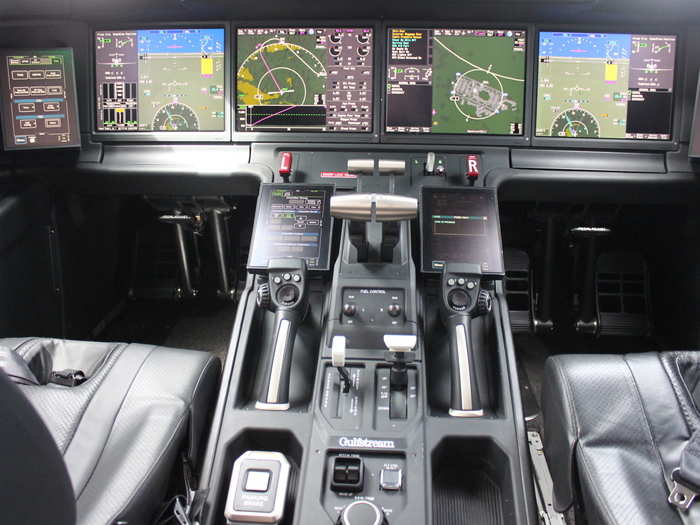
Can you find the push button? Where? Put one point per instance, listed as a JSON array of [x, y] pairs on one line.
[[348, 474], [391, 479], [257, 481]]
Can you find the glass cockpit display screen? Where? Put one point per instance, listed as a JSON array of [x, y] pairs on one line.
[[461, 226], [38, 100], [160, 80], [605, 86], [304, 79], [292, 220], [456, 81]]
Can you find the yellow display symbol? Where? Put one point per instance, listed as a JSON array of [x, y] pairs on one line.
[[611, 72], [207, 66]]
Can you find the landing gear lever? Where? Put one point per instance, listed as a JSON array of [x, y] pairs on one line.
[[462, 300], [285, 294]]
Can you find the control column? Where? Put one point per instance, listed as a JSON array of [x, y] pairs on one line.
[[462, 300], [285, 294]]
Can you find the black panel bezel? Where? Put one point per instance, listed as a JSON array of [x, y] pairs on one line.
[[449, 189], [695, 125], [326, 242], [294, 137], [466, 139], [162, 136], [620, 144], [75, 127]]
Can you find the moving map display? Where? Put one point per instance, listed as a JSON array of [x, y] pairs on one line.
[[456, 81], [608, 86], [160, 80], [38, 101], [304, 79]]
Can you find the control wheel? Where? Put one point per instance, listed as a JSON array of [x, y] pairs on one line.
[[362, 513]]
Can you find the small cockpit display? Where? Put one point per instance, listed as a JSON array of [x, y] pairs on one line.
[[304, 79], [461, 225], [605, 86], [160, 80], [456, 81], [292, 220], [38, 100]]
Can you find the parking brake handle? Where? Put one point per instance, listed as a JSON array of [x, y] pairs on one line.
[[285, 294], [462, 300]]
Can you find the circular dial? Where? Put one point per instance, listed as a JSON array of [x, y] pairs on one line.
[[361, 512], [575, 122], [175, 117]]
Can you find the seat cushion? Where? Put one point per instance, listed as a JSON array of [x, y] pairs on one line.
[[614, 429], [121, 430]]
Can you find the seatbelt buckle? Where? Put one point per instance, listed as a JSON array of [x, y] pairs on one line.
[[68, 377], [683, 493]]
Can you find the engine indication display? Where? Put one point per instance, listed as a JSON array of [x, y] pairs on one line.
[[456, 81], [608, 86], [304, 79], [38, 99], [160, 80]]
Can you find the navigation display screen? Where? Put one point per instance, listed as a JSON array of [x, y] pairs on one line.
[[37, 99], [160, 80], [456, 81], [461, 226], [304, 79], [292, 220], [607, 86]]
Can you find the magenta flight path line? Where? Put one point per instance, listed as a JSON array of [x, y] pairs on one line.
[[273, 115], [262, 55]]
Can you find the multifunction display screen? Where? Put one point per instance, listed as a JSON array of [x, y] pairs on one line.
[[456, 81], [304, 79], [37, 99], [292, 221], [607, 86], [461, 226], [694, 150], [160, 80]]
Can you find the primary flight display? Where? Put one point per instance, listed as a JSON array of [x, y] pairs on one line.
[[608, 86], [456, 81], [160, 80], [304, 79]]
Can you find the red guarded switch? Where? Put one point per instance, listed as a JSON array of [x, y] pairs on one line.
[[473, 167], [285, 169]]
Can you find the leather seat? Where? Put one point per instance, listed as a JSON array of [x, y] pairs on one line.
[[614, 430], [120, 431]]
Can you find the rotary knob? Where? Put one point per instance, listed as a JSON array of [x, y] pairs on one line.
[[361, 512], [262, 296], [483, 303]]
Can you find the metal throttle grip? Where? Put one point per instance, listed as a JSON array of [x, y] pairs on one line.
[[285, 294], [463, 299]]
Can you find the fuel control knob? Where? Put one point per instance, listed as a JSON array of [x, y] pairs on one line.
[[361, 512]]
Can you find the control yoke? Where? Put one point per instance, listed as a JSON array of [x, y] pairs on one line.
[[285, 294], [462, 300]]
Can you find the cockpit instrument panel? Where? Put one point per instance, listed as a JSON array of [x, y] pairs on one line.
[[38, 100], [304, 79], [605, 86], [456, 81], [160, 80]]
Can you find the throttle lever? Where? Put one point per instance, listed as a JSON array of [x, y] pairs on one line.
[[286, 295]]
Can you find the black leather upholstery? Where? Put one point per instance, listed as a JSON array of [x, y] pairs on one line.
[[614, 430], [121, 430], [26, 448]]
